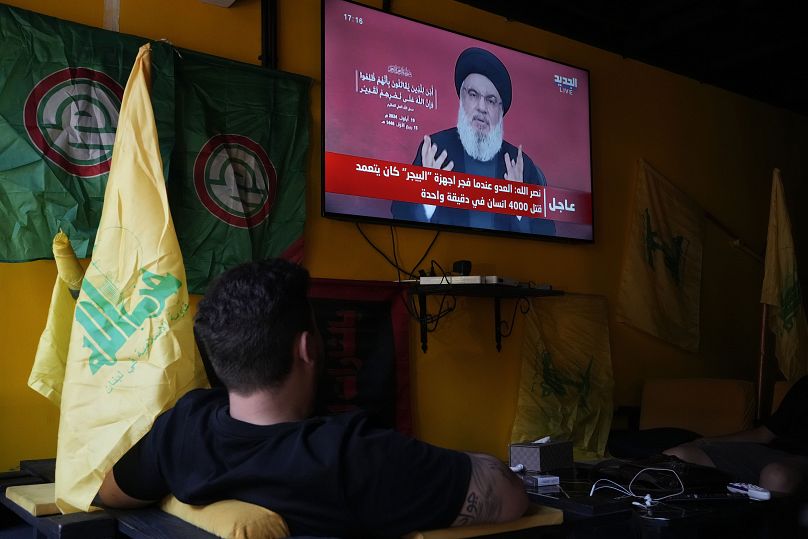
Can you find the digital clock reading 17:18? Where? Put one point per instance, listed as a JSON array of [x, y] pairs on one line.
[[353, 18]]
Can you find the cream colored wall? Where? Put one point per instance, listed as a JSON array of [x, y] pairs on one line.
[[715, 146]]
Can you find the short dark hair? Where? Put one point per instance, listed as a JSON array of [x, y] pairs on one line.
[[248, 321]]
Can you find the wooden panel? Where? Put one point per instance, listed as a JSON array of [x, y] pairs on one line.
[[39, 500]]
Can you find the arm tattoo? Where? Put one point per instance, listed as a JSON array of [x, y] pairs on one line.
[[483, 503]]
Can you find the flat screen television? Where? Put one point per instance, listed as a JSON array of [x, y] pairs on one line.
[[427, 127]]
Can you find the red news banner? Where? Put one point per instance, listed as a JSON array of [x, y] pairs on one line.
[[374, 178]]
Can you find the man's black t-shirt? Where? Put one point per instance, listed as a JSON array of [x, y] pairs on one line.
[[339, 475], [790, 422]]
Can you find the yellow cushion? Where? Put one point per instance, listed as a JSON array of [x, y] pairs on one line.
[[536, 515], [707, 406], [231, 519]]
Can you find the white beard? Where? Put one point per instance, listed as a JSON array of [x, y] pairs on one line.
[[480, 146]]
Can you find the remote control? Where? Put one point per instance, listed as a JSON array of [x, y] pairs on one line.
[[753, 491]]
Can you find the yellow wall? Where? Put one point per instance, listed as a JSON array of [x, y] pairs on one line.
[[718, 148]]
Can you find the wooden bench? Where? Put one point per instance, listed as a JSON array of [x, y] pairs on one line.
[[149, 523]]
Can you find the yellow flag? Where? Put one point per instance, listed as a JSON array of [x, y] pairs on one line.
[[132, 348], [48, 371], [67, 265], [781, 289], [566, 387], [660, 282]]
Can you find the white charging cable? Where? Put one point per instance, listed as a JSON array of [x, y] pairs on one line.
[[648, 500]]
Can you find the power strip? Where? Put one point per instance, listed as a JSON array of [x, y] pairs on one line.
[[496, 279]]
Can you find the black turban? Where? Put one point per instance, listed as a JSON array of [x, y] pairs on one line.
[[476, 60]]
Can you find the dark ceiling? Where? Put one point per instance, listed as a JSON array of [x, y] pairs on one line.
[[751, 47]]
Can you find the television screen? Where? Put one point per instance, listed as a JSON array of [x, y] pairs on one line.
[[426, 127]]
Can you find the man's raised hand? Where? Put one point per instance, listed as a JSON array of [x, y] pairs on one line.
[[428, 153], [514, 170]]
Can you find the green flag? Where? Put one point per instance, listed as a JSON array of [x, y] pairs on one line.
[[61, 86], [237, 181]]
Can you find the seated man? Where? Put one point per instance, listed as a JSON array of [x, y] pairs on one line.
[[773, 455], [257, 441]]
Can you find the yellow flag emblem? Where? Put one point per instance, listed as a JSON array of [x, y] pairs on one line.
[[781, 289], [660, 282], [132, 348], [566, 387]]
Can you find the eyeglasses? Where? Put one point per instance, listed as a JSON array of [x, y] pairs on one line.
[[490, 100]]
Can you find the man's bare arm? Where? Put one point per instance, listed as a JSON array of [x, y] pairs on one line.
[[759, 435], [111, 495], [495, 493], [694, 452]]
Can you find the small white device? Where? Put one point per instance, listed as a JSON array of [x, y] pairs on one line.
[[540, 481], [753, 491], [546, 480]]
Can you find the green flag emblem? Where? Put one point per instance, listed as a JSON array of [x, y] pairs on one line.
[[235, 180], [71, 116]]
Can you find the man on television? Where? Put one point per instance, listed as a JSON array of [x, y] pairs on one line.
[[476, 147]]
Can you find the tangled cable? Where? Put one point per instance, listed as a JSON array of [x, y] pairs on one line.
[[648, 500]]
